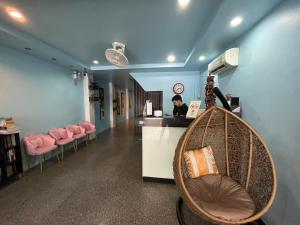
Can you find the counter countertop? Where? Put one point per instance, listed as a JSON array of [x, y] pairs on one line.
[[177, 121]]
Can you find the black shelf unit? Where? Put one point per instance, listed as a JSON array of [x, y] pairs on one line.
[[10, 158]]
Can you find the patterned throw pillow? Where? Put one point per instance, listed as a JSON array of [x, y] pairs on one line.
[[200, 162]]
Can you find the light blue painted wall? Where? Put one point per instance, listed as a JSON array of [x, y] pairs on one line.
[[164, 81], [37, 94], [102, 125], [267, 81]]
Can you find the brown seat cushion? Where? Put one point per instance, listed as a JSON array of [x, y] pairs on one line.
[[221, 197]]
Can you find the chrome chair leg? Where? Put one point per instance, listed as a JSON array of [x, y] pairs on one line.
[[57, 156], [41, 164], [62, 153]]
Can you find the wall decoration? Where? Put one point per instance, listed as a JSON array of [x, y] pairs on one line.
[[122, 103], [129, 102], [115, 104], [93, 92], [118, 104], [210, 97], [101, 103], [178, 88]]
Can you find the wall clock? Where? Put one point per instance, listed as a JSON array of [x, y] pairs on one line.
[[178, 88]]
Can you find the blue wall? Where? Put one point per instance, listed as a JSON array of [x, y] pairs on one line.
[[39, 95], [267, 81], [164, 81], [102, 125]]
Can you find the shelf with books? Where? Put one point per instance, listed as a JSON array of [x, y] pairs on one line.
[[10, 157]]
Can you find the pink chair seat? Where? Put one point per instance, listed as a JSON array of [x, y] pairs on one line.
[[64, 141], [44, 149], [88, 126], [38, 144], [78, 136], [90, 131]]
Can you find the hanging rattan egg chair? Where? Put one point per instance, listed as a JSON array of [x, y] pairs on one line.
[[246, 185]]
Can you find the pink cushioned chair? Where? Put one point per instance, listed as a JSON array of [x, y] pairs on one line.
[[78, 133], [62, 137], [39, 145], [89, 127]]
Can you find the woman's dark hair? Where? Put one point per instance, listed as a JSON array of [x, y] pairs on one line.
[[176, 98]]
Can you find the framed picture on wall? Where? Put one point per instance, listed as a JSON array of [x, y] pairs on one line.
[[118, 104], [129, 102], [122, 103], [101, 103]]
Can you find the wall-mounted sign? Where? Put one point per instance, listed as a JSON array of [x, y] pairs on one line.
[[178, 88]]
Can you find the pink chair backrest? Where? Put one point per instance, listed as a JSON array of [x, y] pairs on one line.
[[75, 129], [60, 133], [87, 125], [34, 141]]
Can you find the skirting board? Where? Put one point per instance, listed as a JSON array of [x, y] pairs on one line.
[[159, 180]]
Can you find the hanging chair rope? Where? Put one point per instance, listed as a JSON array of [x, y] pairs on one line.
[[226, 143], [250, 158], [204, 134]]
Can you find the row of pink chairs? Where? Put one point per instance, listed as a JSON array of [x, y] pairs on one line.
[[40, 144]]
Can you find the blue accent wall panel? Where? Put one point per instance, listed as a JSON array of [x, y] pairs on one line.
[[267, 81], [37, 94], [164, 81]]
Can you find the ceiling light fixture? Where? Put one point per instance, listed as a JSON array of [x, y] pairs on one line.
[[202, 58], [171, 58], [236, 21], [15, 14], [96, 62], [183, 3]]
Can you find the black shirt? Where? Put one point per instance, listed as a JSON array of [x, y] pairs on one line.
[[181, 110]]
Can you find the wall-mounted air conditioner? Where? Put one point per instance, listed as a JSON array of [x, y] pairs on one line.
[[227, 60]]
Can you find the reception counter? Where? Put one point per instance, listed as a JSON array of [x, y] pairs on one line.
[[160, 137]]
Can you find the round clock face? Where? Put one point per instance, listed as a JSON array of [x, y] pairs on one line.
[[178, 88]]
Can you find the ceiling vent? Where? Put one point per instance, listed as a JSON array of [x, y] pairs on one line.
[[116, 54]]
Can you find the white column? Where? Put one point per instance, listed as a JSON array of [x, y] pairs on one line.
[[127, 103], [89, 109], [111, 105]]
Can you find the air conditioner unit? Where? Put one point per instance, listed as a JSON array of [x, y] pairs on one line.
[[227, 60]]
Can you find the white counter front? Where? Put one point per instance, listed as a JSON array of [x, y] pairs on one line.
[[159, 144]]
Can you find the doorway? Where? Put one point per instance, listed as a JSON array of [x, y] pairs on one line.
[[156, 97]]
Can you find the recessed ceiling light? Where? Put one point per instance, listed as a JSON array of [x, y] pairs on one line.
[[171, 58], [15, 14], [236, 21], [96, 62], [202, 58], [183, 3]]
